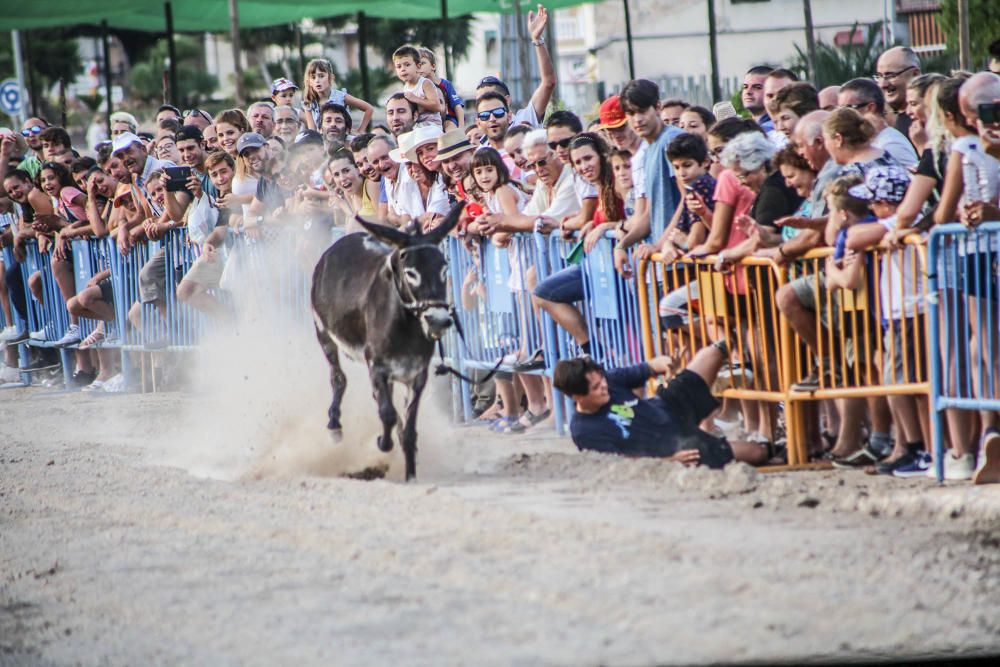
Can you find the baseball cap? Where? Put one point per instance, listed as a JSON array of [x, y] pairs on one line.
[[282, 84], [493, 81], [886, 183], [249, 140], [123, 141], [611, 113]]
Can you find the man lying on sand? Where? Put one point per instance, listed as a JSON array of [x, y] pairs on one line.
[[610, 418]]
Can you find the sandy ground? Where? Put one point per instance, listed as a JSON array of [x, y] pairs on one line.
[[213, 528]]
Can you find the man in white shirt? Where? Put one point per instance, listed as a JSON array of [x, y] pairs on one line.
[[865, 97]]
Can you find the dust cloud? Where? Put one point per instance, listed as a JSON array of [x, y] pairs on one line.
[[261, 390]]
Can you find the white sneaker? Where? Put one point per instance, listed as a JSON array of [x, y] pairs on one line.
[[71, 337], [115, 385], [37, 335], [8, 333], [958, 469]]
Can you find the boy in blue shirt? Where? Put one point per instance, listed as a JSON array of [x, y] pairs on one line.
[[610, 418]]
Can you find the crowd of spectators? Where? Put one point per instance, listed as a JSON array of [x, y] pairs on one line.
[[875, 160]]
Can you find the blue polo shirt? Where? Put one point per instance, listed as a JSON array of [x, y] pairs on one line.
[[661, 188]]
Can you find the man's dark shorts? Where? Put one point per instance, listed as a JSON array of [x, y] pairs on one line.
[[107, 291], [565, 286], [689, 400]]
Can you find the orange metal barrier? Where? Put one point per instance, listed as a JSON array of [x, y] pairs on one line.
[[859, 338]]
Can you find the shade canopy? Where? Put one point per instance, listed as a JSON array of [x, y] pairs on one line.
[[213, 15]]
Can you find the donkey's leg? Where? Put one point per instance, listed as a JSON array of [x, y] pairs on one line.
[[338, 381], [409, 440], [382, 390]]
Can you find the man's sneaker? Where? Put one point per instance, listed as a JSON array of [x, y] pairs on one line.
[[889, 467], [10, 333], [18, 338], [989, 459], [83, 378], [918, 466], [860, 459], [959, 469], [71, 337], [37, 335]]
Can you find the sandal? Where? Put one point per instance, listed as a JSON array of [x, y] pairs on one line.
[[95, 337], [529, 418]]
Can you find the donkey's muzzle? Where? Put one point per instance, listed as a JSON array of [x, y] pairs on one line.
[[436, 321]]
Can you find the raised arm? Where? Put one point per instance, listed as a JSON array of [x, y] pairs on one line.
[[547, 73]]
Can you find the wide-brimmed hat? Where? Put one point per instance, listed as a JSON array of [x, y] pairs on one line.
[[452, 143], [611, 113], [404, 143], [422, 135], [121, 193]]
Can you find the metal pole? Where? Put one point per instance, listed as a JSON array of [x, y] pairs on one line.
[[366, 85], [174, 96], [62, 101], [31, 74], [15, 38], [107, 74], [713, 49], [964, 53], [524, 66], [302, 52], [234, 37], [810, 42], [448, 73], [628, 40]]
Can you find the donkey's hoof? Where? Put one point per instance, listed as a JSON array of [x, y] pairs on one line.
[[336, 435], [384, 444]]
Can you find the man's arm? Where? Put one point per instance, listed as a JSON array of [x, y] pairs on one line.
[[631, 377], [546, 72]]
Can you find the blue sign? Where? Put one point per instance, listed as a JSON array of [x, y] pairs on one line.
[[496, 263], [10, 97], [603, 281]]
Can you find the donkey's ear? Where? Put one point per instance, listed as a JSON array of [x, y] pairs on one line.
[[385, 233], [437, 234]]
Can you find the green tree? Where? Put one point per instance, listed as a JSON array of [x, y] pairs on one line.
[[385, 35], [837, 64], [984, 26], [195, 84]]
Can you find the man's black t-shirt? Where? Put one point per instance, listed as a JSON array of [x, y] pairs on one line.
[[775, 200], [626, 425], [903, 122]]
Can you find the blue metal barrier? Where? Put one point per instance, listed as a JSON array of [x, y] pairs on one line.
[[612, 311], [49, 316], [964, 298], [90, 257]]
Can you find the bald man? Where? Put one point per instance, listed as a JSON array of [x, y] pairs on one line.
[[828, 98], [893, 72]]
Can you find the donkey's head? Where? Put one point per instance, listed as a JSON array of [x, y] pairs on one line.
[[420, 272]]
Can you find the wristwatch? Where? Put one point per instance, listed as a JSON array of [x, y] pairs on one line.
[[538, 42]]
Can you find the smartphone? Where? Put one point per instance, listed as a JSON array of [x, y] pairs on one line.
[[988, 113], [689, 188], [178, 178]]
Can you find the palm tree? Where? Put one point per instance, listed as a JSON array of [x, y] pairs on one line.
[[837, 64]]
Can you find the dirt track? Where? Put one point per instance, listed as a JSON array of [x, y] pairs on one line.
[[128, 537]]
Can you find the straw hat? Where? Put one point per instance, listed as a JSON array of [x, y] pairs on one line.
[[452, 143]]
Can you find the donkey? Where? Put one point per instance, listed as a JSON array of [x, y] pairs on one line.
[[382, 296]]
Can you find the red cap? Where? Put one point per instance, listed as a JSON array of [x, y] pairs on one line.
[[612, 115]]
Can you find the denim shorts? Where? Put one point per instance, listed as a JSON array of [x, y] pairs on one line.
[[564, 286]]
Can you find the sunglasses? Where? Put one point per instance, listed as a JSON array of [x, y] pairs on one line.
[[499, 112], [34, 129], [197, 112], [562, 143], [857, 107], [531, 166]]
